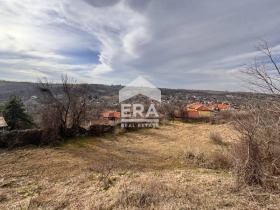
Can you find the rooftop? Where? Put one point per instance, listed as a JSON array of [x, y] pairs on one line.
[[3, 122]]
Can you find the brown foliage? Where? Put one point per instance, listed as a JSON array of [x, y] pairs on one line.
[[223, 117], [216, 160], [98, 130], [50, 123], [258, 151], [69, 100], [216, 138], [18, 138]]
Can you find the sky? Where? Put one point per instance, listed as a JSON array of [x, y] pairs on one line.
[[186, 44]]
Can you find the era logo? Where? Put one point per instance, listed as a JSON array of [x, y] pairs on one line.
[[134, 110]]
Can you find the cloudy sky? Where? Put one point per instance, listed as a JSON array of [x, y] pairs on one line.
[[191, 44]]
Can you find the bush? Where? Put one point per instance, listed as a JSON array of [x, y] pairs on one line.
[[222, 117], [151, 193], [19, 138], [257, 151], [99, 130], [50, 123], [216, 160], [216, 138], [197, 159], [220, 160], [197, 120], [248, 163]]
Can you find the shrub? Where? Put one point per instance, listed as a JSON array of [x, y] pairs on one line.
[[3, 198], [257, 151], [216, 138], [220, 160], [197, 159], [105, 176], [248, 163], [98, 130], [259, 131], [49, 123], [19, 138], [222, 117], [216, 160], [152, 193]]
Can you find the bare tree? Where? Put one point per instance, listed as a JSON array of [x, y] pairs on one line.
[[69, 100], [50, 125], [258, 152], [264, 74], [169, 110]]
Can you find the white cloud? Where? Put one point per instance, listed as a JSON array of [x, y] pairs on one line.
[[179, 44]]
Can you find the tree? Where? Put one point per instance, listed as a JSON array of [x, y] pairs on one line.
[[264, 74], [14, 113], [257, 154], [50, 125], [69, 102]]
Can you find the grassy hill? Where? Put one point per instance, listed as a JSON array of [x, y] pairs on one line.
[[174, 167]]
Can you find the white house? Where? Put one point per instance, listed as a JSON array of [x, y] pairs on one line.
[[3, 124]]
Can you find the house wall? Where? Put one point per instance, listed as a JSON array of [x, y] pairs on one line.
[[204, 113], [193, 114]]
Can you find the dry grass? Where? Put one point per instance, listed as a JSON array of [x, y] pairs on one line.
[[147, 169], [216, 138]]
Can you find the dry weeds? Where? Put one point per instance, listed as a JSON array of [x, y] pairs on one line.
[[149, 171]]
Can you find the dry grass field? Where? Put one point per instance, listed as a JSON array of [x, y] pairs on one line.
[[176, 166]]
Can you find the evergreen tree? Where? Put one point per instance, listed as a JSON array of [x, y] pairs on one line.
[[14, 113]]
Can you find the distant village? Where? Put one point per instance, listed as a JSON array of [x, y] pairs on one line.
[[104, 107]]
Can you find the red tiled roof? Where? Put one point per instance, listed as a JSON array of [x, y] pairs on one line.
[[220, 106], [105, 114], [115, 114], [111, 114], [198, 107]]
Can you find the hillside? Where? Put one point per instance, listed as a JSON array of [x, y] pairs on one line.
[[173, 167], [26, 89]]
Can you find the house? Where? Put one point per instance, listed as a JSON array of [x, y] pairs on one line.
[[3, 124], [220, 107], [107, 118], [111, 115], [197, 110], [102, 121]]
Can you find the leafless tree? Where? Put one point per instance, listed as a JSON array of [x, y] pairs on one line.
[[257, 153], [50, 125], [169, 110], [264, 74], [69, 100]]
